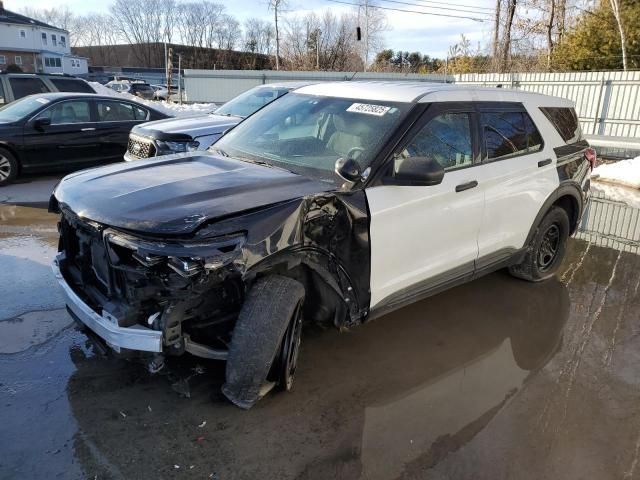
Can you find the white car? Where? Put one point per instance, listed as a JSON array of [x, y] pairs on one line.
[[137, 88], [336, 203]]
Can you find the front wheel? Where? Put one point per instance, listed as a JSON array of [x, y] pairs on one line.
[[265, 341], [8, 167], [546, 249]]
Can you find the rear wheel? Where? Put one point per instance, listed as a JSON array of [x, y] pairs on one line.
[[8, 167], [546, 249], [266, 340]]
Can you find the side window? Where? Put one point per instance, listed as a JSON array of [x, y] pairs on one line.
[[23, 86], [565, 121], [71, 85], [112, 111], [509, 133], [446, 139], [76, 111]]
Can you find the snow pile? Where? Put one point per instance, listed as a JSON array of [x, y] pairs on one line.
[[617, 193], [624, 172], [171, 109]]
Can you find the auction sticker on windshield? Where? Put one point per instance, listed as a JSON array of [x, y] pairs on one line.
[[44, 101], [377, 110]]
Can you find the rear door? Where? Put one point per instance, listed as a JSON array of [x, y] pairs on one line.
[[68, 141], [519, 176], [423, 237], [116, 118]]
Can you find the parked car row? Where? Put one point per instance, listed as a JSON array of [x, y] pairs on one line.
[[63, 131], [336, 203]]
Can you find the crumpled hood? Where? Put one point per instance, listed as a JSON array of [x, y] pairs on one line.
[[186, 128], [175, 194]]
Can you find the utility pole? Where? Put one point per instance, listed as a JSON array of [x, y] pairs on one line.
[[165, 60], [179, 78], [366, 34], [169, 72], [318, 49]]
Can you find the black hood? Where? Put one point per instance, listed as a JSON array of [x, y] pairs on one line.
[[175, 194], [186, 128]]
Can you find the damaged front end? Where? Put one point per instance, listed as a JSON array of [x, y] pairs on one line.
[[151, 295]]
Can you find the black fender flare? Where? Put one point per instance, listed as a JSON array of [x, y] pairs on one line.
[[566, 188]]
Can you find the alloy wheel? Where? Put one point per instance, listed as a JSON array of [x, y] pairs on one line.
[[290, 349], [5, 168], [549, 247]]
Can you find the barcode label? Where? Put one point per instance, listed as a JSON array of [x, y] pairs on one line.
[[377, 110]]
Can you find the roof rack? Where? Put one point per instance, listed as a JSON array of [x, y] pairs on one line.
[[4, 72]]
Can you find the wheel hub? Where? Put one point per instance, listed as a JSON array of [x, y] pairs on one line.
[[549, 247], [5, 168]]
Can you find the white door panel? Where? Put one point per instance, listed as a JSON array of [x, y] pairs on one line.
[[418, 232], [514, 190]]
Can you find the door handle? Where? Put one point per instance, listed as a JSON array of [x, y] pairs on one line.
[[466, 186], [543, 163], [88, 129]]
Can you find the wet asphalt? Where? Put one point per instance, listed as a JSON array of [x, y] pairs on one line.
[[495, 379]]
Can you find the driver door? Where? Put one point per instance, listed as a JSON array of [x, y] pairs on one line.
[[425, 237]]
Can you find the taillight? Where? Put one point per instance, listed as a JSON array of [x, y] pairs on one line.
[[591, 156]]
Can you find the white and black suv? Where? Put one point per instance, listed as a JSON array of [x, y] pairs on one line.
[[336, 203]]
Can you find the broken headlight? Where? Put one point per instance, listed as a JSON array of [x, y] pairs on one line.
[[185, 258], [177, 146]]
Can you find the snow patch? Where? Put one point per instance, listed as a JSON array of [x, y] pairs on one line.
[[171, 109], [624, 172]]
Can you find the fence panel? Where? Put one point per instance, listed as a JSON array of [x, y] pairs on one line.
[[607, 102]]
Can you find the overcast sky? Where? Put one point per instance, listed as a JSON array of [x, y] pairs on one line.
[[431, 35]]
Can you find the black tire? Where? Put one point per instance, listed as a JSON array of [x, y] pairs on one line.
[[547, 248], [8, 167], [271, 306]]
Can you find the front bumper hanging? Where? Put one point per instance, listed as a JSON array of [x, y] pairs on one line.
[[105, 326]]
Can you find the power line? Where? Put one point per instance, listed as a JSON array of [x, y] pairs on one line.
[[475, 19], [488, 9], [438, 8]]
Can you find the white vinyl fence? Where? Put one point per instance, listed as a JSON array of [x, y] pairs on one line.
[[608, 103]]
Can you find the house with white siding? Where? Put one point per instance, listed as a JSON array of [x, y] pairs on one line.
[[36, 46]]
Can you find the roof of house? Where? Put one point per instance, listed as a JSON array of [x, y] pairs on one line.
[[426, 92], [7, 16]]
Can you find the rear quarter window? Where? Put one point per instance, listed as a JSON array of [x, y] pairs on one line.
[[27, 86], [70, 85], [565, 121], [508, 134]]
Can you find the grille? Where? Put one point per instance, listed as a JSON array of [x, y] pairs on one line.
[[140, 148]]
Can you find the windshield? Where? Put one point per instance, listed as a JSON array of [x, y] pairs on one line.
[[247, 103], [21, 108], [307, 134]]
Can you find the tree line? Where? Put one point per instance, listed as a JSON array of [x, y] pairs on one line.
[[214, 37]]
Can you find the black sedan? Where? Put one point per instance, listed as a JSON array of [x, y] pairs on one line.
[[66, 131]]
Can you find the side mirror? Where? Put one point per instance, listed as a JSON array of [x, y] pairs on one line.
[[39, 123], [348, 169], [422, 171]]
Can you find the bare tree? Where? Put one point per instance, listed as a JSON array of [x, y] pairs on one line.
[[61, 17], [496, 31], [144, 25], [373, 22], [615, 7], [550, 24], [277, 6], [506, 44], [258, 38]]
